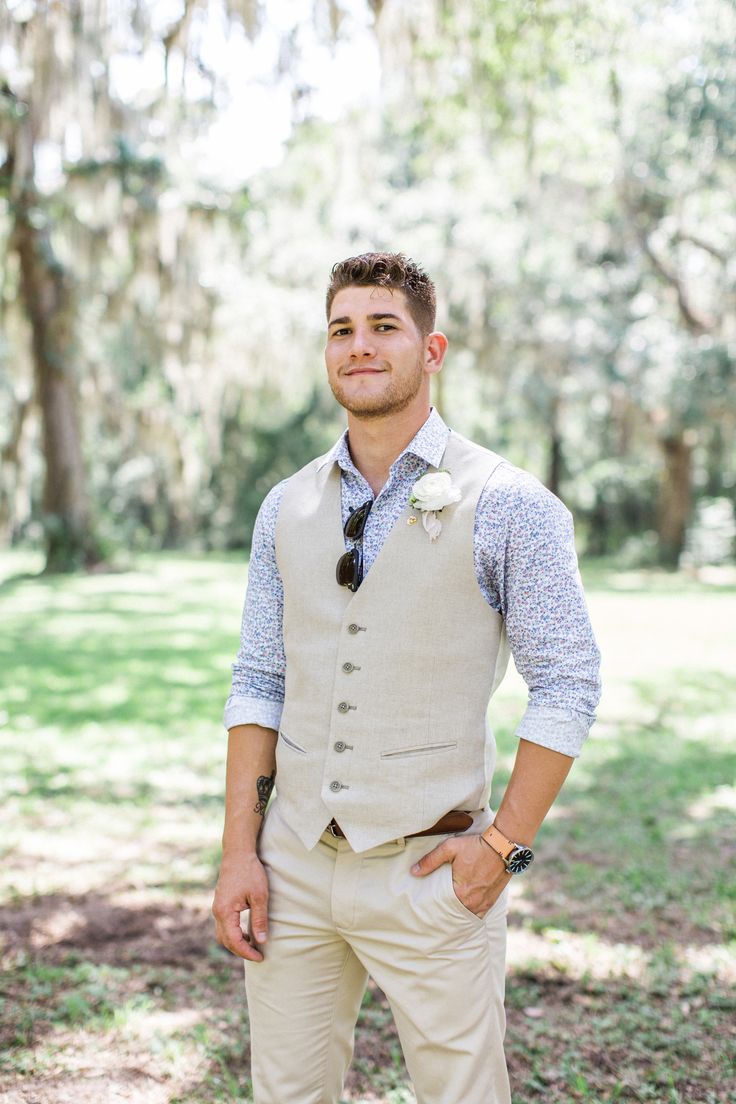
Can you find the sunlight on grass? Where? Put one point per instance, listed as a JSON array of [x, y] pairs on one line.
[[587, 955], [722, 797], [113, 760], [575, 955]]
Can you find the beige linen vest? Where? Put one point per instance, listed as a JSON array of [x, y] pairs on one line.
[[384, 722]]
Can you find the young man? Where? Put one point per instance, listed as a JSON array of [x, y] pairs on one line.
[[387, 581]]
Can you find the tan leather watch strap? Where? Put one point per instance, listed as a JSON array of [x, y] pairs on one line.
[[498, 841]]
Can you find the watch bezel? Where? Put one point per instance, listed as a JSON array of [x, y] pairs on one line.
[[520, 859]]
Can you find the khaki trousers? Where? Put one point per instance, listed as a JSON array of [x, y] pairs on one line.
[[334, 918]]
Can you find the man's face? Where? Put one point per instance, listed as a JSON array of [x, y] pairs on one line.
[[375, 355]]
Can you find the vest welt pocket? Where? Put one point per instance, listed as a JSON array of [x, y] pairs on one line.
[[417, 749], [291, 744]]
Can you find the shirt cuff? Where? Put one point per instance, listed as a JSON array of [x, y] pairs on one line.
[[244, 710], [563, 730]]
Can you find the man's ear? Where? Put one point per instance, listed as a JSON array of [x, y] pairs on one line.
[[435, 352]]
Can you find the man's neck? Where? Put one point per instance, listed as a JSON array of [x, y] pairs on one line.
[[375, 443]]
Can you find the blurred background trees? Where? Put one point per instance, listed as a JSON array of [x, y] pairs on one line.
[[564, 170]]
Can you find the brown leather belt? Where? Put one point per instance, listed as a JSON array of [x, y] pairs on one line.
[[456, 821]]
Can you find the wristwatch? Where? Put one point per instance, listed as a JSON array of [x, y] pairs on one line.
[[516, 857]]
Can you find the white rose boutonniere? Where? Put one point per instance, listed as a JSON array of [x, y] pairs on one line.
[[430, 495]]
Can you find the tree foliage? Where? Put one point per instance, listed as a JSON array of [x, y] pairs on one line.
[[563, 169]]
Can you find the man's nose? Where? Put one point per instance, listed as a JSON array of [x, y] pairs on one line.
[[362, 344]]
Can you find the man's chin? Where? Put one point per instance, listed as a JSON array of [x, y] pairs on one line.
[[367, 405], [372, 408]]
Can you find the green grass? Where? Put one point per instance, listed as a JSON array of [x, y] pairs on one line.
[[622, 938]]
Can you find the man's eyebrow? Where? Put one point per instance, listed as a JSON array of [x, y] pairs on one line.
[[371, 318]]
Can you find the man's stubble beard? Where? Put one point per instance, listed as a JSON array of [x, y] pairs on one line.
[[399, 395]]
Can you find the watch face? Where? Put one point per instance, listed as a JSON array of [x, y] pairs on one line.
[[520, 860]]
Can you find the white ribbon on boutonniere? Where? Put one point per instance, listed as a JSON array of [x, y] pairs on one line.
[[430, 495]]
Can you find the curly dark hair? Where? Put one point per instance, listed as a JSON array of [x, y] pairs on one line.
[[389, 270]]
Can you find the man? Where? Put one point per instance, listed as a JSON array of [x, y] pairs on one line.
[[387, 580]]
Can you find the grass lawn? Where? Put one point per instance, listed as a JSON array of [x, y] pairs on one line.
[[622, 936]]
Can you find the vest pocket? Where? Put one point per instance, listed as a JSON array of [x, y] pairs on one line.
[[291, 744], [417, 749]]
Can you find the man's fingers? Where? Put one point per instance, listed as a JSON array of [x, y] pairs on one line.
[[236, 941], [259, 917], [433, 859], [240, 889]]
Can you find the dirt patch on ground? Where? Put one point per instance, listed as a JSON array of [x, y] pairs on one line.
[[106, 932], [59, 930], [96, 1088], [568, 1039]]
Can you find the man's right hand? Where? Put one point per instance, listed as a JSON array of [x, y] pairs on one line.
[[242, 884]]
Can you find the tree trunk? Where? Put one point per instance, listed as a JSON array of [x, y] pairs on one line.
[[716, 460], [11, 466], [675, 497], [49, 303], [555, 458]]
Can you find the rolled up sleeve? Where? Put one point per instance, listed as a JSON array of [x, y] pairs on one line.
[[533, 579], [258, 673]]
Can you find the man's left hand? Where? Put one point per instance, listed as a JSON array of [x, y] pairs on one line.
[[478, 873]]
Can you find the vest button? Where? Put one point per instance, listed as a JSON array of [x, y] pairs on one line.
[[348, 667], [340, 745], [353, 628], [335, 786], [343, 707]]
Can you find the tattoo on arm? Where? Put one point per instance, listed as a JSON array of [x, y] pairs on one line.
[[264, 785]]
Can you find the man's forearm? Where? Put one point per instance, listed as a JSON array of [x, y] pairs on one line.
[[249, 779], [535, 782]]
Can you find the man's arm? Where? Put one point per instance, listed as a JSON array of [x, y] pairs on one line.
[[535, 782], [257, 690], [242, 883], [252, 716], [528, 572]]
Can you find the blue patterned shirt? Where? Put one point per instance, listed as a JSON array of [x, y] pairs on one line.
[[526, 568]]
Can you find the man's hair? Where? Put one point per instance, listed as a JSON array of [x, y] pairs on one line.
[[389, 270]]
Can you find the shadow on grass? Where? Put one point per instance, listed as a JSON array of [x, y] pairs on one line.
[[11, 582], [691, 694], [157, 651], [58, 782], [639, 854], [640, 849], [149, 979], [125, 681], [55, 925], [86, 964], [88, 968], [616, 1040], [604, 575]]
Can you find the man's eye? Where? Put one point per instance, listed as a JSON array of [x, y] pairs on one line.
[[385, 326], [339, 333]]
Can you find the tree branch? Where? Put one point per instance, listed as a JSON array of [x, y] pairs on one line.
[[719, 254], [696, 323]]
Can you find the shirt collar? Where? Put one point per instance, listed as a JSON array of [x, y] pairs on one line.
[[428, 445]]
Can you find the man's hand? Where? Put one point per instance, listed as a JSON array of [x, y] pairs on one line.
[[242, 884], [478, 873]]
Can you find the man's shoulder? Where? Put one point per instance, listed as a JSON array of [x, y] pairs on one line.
[[268, 511], [514, 491], [509, 489], [270, 505]]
